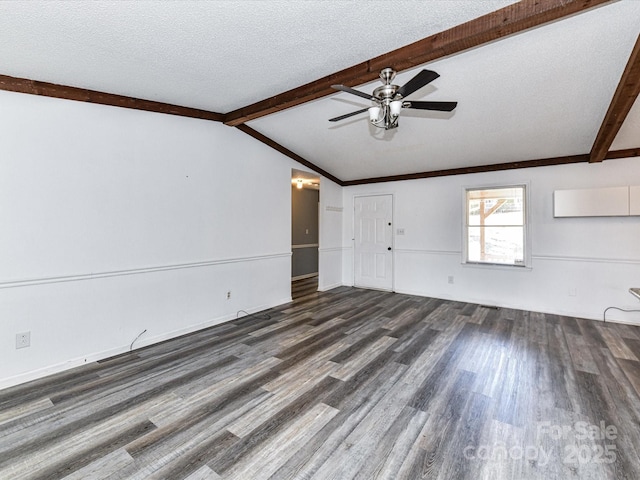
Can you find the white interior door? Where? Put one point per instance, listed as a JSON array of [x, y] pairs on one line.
[[373, 236]]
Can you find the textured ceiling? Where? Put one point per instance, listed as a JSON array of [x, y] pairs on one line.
[[215, 55], [538, 94]]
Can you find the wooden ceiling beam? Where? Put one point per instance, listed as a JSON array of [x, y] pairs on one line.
[[285, 151], [512, 19], [496, 167], [34, 87], [623, 99], [626, 153]]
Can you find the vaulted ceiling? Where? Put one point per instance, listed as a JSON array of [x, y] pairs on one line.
[[537, 82]]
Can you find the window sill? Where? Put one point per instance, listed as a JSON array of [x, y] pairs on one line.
[[497, 266]]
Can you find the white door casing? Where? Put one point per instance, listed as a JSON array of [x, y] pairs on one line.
[[373, 242]]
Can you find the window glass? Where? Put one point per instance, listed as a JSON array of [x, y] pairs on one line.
[[495, 228]]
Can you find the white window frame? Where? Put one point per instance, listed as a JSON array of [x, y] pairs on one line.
[[526, 230]]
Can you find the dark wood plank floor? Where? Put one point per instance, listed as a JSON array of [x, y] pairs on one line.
[[304, 287], [345, 384]]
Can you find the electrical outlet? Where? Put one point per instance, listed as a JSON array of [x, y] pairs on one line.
[[23, 340], [229, 295], [450, 279]]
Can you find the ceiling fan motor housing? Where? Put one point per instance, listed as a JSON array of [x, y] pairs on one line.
[[385, 93], [387, 75]]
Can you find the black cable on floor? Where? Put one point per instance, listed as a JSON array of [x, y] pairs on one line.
[[134, 340], [604, 314]]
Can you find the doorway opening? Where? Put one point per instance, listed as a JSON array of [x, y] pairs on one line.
[[305, 231]]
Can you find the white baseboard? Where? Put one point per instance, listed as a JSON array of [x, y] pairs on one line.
[[97, 356], [324, 288]]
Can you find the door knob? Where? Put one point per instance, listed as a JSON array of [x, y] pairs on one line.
[[389, 248]]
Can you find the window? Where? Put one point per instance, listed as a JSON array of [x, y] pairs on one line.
[[495, 229]]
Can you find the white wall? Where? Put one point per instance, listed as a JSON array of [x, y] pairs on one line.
[[115, 221], [330, 249], [579, 266]]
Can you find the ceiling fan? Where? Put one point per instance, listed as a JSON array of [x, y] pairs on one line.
[[389, 99]]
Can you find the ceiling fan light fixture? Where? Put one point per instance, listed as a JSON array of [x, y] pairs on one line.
[[374, 115], [395, 108]]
